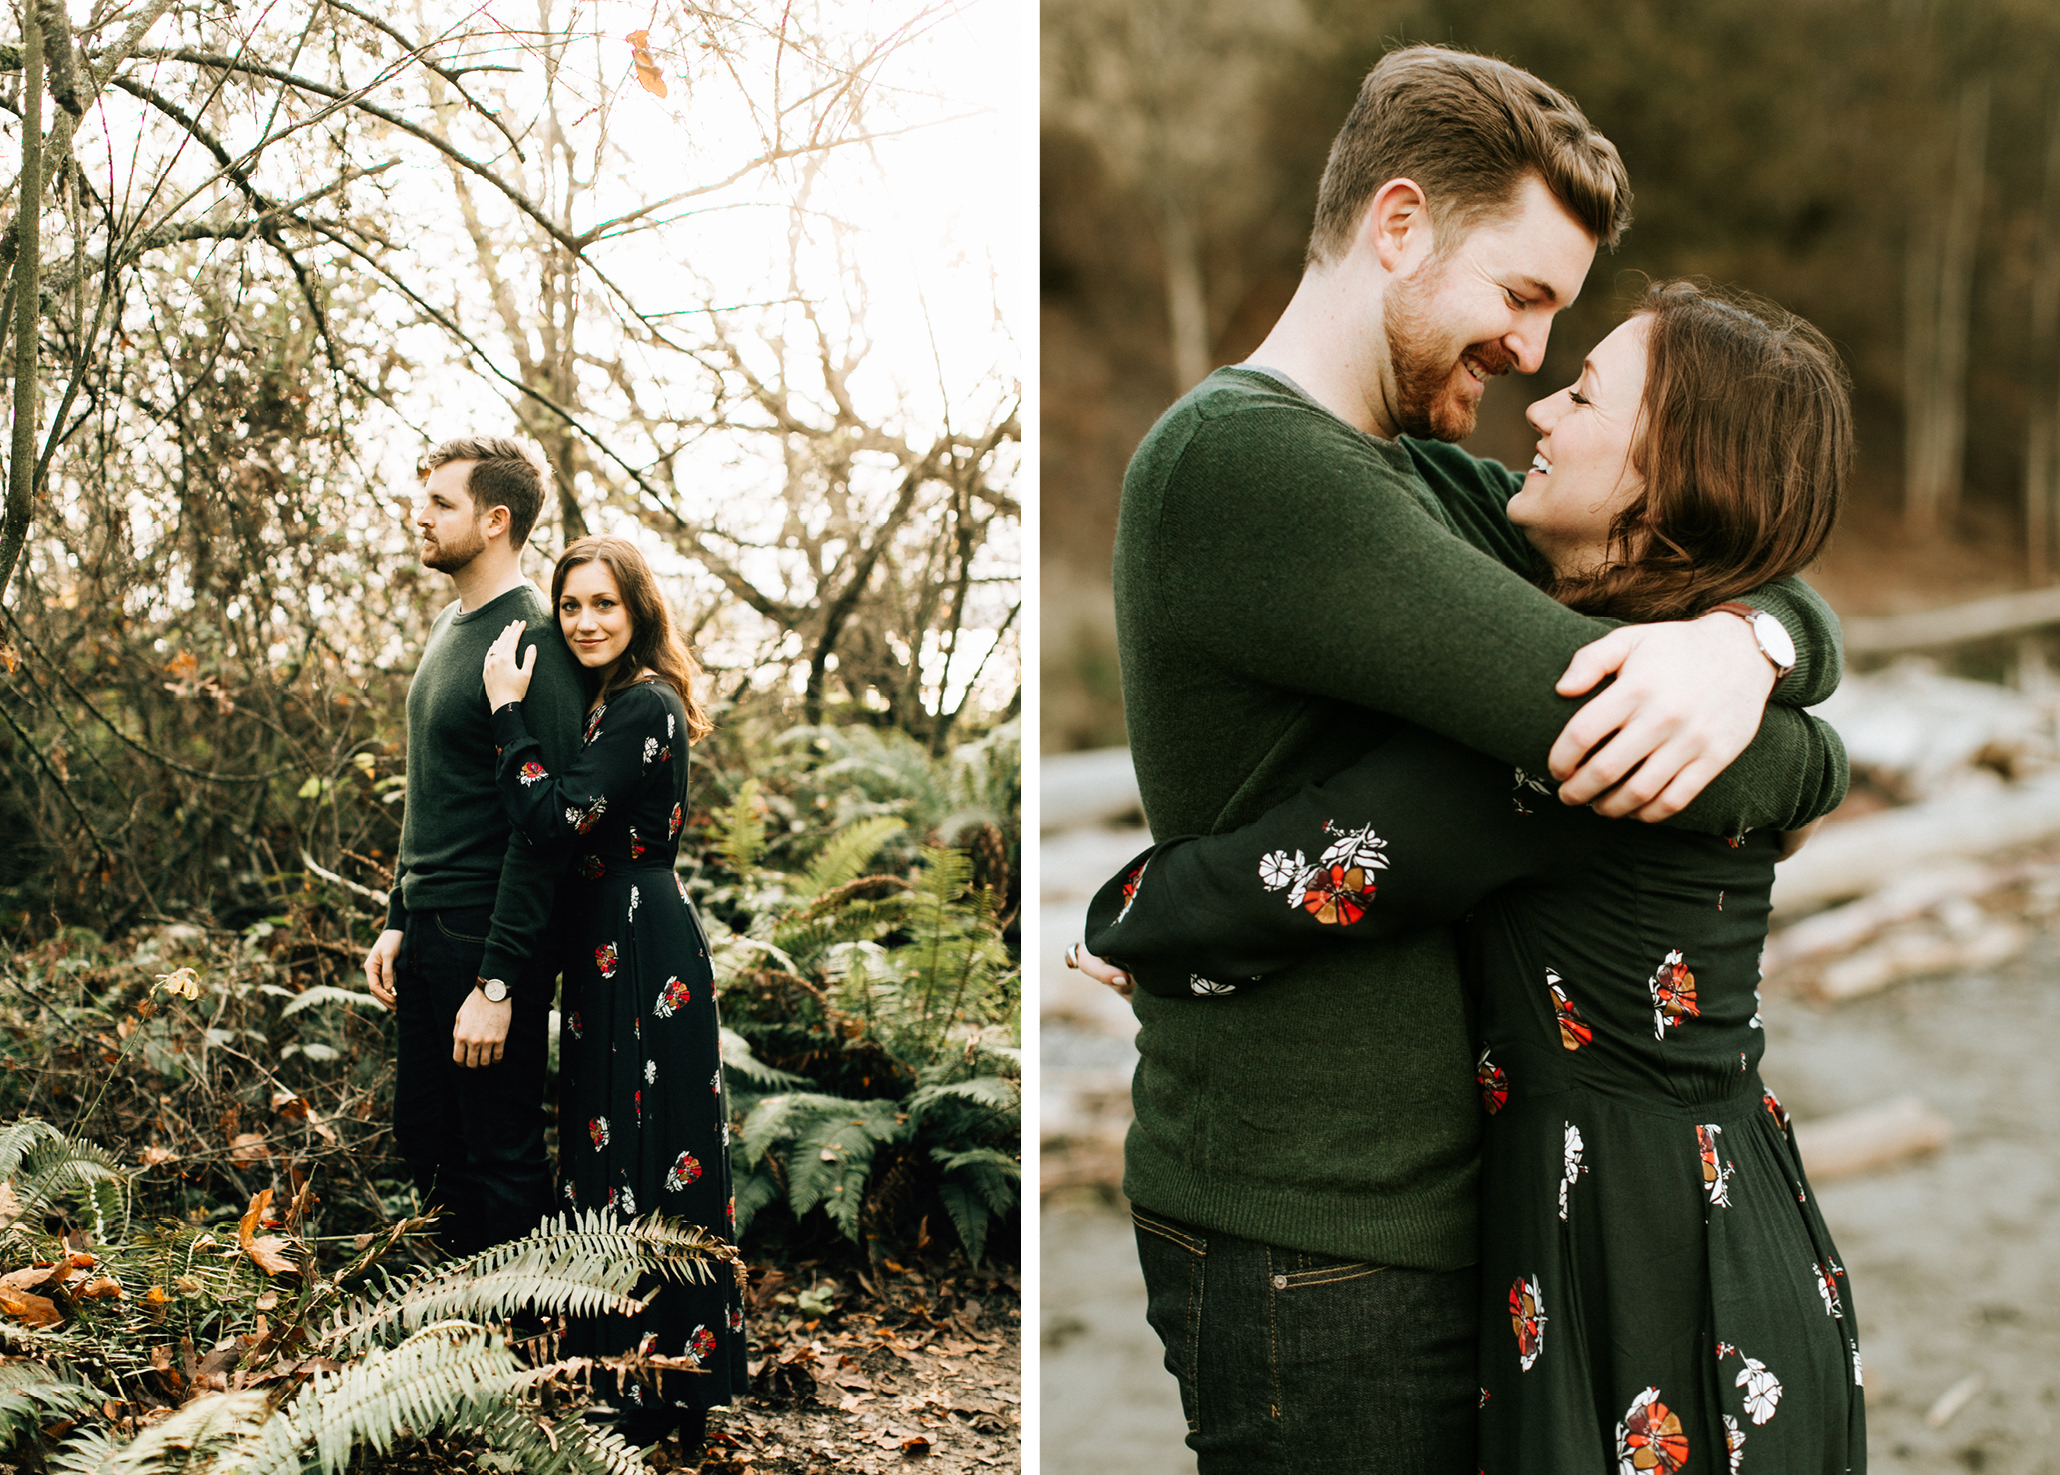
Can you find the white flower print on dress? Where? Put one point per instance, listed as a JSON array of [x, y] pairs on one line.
[[1208, 987], [668, 724], [1762, 1389], [650, 750], [1526, 786], [1277, 871], [650, 1071], [1859, 1375], [1574, 1148], [628, 1202], [633, 899], [1359, 848], [1130, 884], [1734, 1441]]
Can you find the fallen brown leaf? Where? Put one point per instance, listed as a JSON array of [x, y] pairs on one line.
[[27, 1309]]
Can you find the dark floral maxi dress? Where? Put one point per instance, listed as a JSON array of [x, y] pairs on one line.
[[1659, 1292], [643, 1124]]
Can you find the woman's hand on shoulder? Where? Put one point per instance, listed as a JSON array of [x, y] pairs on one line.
[[505, 680]]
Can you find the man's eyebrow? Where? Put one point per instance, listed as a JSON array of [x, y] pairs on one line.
[[1540, 288]]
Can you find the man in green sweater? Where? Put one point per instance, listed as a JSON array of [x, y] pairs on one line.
[[466, 959], [1300, 562]]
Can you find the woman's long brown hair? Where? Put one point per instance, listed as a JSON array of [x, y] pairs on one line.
[[1745, 441], [654, 644]]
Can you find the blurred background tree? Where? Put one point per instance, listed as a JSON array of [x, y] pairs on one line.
[[1890, 169]]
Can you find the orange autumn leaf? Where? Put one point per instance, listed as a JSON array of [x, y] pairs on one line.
[[183, 666], [27, 1309], [648, 76], [99, 1290], [266, 1251]]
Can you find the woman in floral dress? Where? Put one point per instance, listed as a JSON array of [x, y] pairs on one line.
[[1658, 1288], [643, 1121]]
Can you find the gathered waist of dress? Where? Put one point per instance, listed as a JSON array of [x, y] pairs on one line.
[[1648, 1097]]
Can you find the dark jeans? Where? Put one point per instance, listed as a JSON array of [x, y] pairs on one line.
[[1290, 1361], [472, 1137]]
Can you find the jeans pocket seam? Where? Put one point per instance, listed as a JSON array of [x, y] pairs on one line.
[[1330, 1275], [1193, 1246], [437, 917]]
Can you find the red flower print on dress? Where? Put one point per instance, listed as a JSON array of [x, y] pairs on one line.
[[1715, 1175], [701, 1346], [1339, 887], [1574, 1031], [1527, 1316], [672, 828], [531, 772], [593, 727], [576, 1025], [736, 1318], [1130, 885], [1650, 1437], [589, 817], [1494, 1083], [674, 994], [604, 959], [597, 1129], [590, 867], [1828, 1272], [682, 1172], [1673, 994], [636, 844]]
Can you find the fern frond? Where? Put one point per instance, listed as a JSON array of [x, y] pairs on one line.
[[218, 1431], [324, 993], [740, 830], [584, 1266], [571, 1447], [50, 1172], [33, 1393], [997, 1093], [443, 1373], [968, 1216], [19, 1136], [845, 855], [739, 1062], [753, 1191]]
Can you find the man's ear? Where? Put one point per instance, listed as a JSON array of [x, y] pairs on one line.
[[496, 522], [1397, 227]]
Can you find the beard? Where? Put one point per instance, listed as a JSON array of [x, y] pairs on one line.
[[1426, 401], [449, 557]]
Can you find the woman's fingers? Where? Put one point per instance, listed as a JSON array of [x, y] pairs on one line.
[[1099, 969]]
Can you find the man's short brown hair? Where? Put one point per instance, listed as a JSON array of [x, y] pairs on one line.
[[505, 473], [1467, 129]]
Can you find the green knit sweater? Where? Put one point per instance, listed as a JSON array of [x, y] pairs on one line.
[[457, 847], [1285, 586]]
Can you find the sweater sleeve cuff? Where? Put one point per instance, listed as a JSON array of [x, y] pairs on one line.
[[508, 726]]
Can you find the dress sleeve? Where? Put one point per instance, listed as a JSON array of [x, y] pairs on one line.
[[1412, 834], [557, 806]]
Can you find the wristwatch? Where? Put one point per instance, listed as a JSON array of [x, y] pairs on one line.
[[1776, 644], [496, 991]]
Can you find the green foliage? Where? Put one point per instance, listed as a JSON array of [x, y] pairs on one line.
[[325, 1368]]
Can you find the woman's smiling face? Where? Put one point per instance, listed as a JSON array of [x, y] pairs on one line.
[[592, 616], [1582, 476]]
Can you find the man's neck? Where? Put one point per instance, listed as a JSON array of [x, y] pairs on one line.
[[1317, 344], [486, 579]]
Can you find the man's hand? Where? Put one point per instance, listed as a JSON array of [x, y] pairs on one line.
[[481, 1028], [1687, 699], [379, 966]]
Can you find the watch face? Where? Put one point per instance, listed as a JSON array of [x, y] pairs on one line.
[[1774, 640], [496, 991]]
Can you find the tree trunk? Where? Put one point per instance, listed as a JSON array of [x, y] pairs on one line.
[[1187, 298], [2042, 437], [1940, 295], [21, 466]]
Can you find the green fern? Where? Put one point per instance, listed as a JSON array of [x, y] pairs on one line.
[[583, 1266], [846, 854], [216, 1432], [48, 1169], [740, 830], [34, 1393]]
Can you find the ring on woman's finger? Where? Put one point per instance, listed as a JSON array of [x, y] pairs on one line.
[[1073, 955]]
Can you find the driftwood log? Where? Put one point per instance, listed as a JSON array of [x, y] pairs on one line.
[[1869, 1137]]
